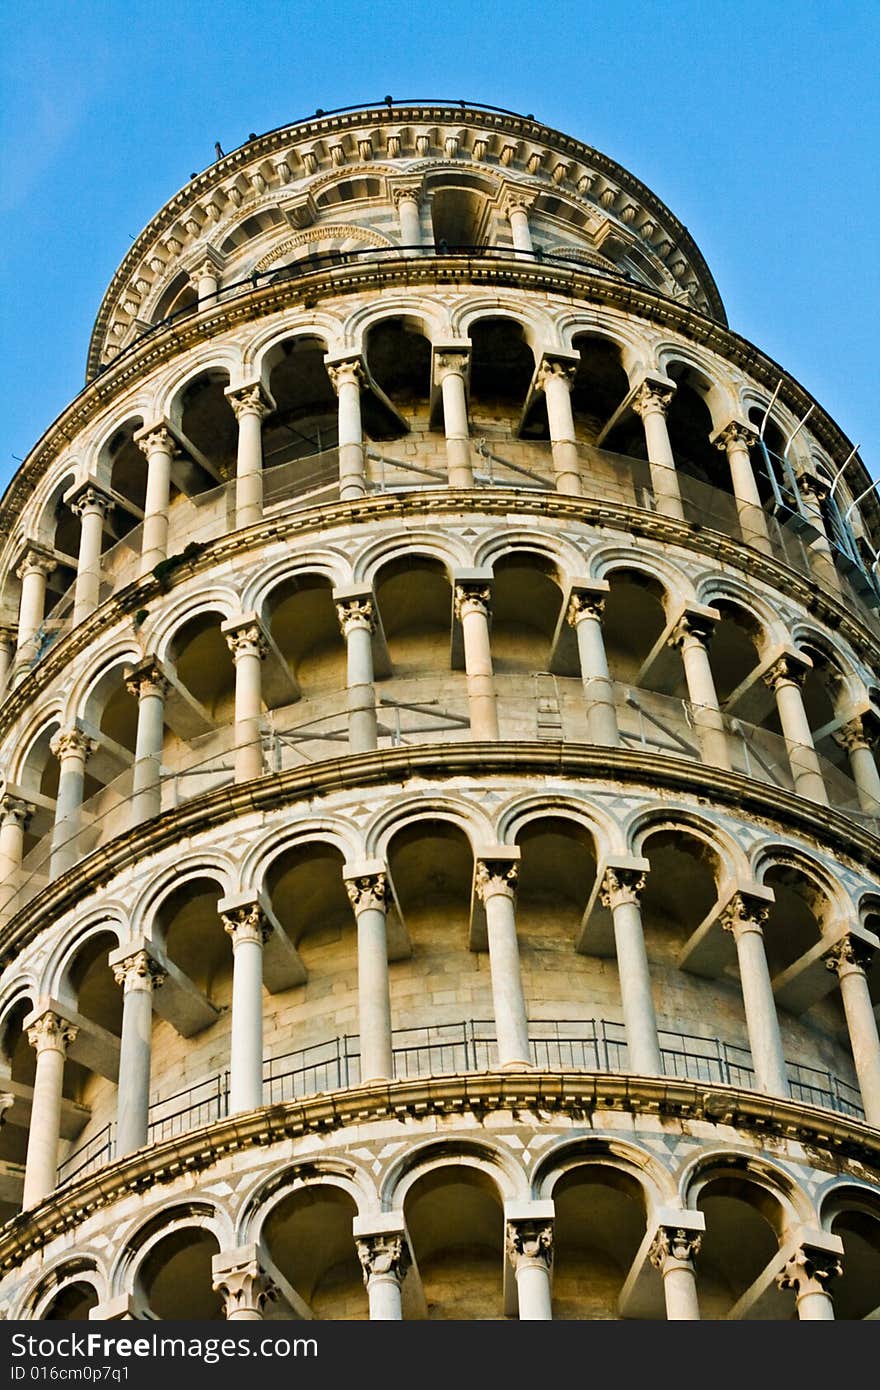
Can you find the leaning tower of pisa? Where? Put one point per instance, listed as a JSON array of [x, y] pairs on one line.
[[439, 832]]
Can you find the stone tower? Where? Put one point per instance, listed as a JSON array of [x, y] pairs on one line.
[[439, 814]]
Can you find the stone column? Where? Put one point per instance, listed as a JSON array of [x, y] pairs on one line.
[[357, 621], [407, 199], [495, 885], [139, 974], [785, 679], [206, 278], [621, 888], [855, 737], [149, 685], [809, 1272], [673, 1252], [91, 506], [15, 817], [813, 493], [370, 897], [472, 600], [735, 440], [251, 408], [585, 607], [243, 1284], [157, 444], [529, 1245], [72, 748], [385, 1259], [50, 1035], [8, 642], [556, 378], [249, 929], [517, 209], [249, 649], [651, 402], [33, 571], [450, 368], [744, 917], [348, 378], [849, 958], [691, 635]]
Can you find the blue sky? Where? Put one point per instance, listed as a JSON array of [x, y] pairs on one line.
[[757, 123]]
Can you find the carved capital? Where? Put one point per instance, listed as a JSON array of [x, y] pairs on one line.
[[146, 680], [406, 193], [736, 435], [788, 670], [247, 923], [854, 735], [450, 363], [36, 561], [249, 401], [350, 373], [247, 640], [15, 811], [813, 489], [552, 370], [652, 399], [72, 743], [621, 886], [810, 1270], [160, 440], [472, 598], [244, 1287], [91, 499], [529, 1242], [384, 1254], [674, 1244], [356, 613], [848, 955], [367, 892], [139, 971], [583, 604], [495, 876], [744, 913], [691, 625], [51, 1032]]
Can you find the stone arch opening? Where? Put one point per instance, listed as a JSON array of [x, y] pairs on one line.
[[208, 422], [599, 1225], [305, 419], [502, 365], [175, 1279], [398, 354], [455, 1221], [308, 1234], [414, 597], [72, 1303], [526, 603], [744, 1225], [300, 614], [600, 386], [856, 1291]]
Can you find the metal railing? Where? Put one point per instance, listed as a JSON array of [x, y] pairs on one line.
[[469, 1046], [414, 712]]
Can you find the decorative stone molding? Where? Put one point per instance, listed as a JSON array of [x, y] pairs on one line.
[[529, 1242], [147, 679], [745, 912], [651, 398], [51, 1032], [243, 1284], [674, 1243], [848, 954], [139, 971], [70, 743], [472, 597], [620, 886], [354, 613], [368, 892], [810, 1270], [249, 400], [495, 876], [347, 373], [247, 640], [247, 923], [15, 810], [384, 1253]]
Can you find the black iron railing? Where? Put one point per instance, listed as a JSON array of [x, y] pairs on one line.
[[588, 1045]]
